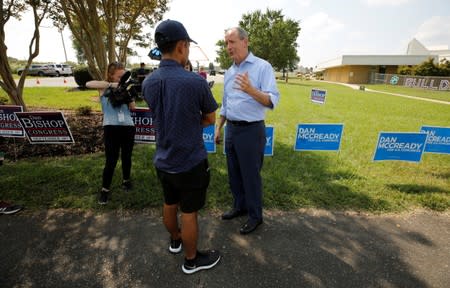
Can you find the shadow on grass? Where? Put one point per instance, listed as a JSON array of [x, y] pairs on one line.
[[74, 182], [291, 180], [296, 179], [417, 189]]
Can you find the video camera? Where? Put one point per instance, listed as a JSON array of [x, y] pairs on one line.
[[155, 54], [125, 92]]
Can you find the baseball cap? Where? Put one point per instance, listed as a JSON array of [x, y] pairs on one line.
[[169, 31]]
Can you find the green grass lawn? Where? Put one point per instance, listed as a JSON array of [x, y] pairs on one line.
[[423, 93], [348, 179]]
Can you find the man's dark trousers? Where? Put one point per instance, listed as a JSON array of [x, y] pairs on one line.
[[244, 146]]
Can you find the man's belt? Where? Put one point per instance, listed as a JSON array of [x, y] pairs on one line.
[[243, 123]]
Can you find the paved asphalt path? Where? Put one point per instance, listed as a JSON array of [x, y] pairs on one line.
[[308, 248]]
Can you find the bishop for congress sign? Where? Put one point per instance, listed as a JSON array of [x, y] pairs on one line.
[[9, 124], [45, 127], [145, 128], [325, 137]]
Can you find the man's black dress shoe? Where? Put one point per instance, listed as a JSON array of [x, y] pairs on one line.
[[250, 226], [233, 213]]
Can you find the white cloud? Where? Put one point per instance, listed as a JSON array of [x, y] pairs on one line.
[[320, 26], [434, 31], [318, 39], [386, 2]]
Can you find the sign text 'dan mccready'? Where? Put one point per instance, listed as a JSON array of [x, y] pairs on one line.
[[391, 143], [318, 137], [438, 139], [400, 146]]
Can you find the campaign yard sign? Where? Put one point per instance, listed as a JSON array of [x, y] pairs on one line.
[[208, 138], [145, 128], [9, 124], [318, 137], [45, 127], [268, 148], [438, 139], [318, 95], [400, 146]]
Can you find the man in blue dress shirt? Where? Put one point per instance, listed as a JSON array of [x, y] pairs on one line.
[[249, 91]]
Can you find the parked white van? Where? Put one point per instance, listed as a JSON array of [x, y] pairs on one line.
[[62, 69]]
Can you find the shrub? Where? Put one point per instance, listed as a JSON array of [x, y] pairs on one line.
[[3, 100], [84, 111], [405, 70], [82, 76]]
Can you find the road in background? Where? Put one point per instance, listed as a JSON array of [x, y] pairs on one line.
[[50, 81], [70, 81]]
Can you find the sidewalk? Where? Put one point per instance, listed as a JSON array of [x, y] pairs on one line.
[[312, 248], [357, 87]]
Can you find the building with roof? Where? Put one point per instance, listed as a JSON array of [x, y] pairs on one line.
[[358, 69]]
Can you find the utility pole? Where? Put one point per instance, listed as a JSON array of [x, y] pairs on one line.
[[64, 46]]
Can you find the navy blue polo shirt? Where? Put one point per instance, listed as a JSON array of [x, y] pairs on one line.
[[177, 99]]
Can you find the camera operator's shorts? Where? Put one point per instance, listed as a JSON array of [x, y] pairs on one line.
[[186, 188]]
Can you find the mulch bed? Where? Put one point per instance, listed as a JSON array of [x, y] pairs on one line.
[[87, 132]]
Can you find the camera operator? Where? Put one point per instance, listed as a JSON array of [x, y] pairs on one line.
[[118, 126]]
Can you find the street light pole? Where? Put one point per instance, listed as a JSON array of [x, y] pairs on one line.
[[64, 46]]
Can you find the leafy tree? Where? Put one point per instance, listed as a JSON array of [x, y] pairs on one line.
[[271, 37], [105, 28], [405, 70], [15, 9], [444, 67], [427, 68]]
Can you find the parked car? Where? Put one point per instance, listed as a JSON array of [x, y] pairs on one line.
[[38, 70], [62, 69]]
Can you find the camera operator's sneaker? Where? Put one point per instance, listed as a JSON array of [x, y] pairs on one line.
[[6, 208], [202, 261], [103, 197], [175, 246], [127, 185]]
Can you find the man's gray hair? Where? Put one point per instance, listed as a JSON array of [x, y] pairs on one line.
[[241, 32]]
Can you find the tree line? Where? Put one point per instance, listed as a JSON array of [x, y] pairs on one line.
[[102, 31], [427, 68]]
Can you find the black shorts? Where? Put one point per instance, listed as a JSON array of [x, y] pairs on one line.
[[187, 188]]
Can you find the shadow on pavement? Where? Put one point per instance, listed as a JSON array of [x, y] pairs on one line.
[[312, 248]]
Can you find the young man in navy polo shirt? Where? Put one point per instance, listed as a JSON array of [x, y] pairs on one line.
[[182, 104]]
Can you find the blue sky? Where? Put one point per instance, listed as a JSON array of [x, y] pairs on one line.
[[329, 28]]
